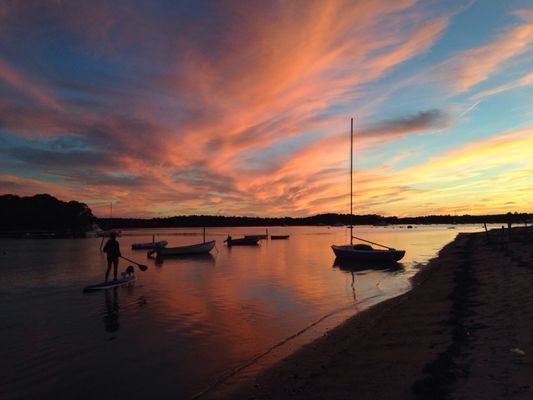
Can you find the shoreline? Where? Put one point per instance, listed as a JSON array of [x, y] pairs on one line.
[[436, 340]]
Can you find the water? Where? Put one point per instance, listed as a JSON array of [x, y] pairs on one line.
[[185, 323]]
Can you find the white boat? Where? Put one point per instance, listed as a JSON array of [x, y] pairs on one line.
[[363, 252], [200, 248], [149, 245]]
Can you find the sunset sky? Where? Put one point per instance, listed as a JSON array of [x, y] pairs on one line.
[[243, 107]]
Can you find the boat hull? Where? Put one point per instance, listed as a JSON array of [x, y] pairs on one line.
[[279, 237], [201, 248], [247, 241], [379, 256], [255, 237]]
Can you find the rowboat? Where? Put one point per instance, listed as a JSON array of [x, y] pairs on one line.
[[200, 248], [279, 237], [245, 241], [148, 245]]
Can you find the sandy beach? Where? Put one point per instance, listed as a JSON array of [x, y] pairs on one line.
[[463, 332]]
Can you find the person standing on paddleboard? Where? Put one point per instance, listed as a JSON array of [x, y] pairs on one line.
[[112, 248]]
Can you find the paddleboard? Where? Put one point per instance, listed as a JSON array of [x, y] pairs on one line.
[[109, 284]]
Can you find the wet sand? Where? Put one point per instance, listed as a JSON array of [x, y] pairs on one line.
[[465, 331]]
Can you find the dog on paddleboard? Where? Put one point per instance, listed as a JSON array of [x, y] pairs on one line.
[[129, 273]]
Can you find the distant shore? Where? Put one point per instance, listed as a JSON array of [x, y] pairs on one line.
[[462, 332]]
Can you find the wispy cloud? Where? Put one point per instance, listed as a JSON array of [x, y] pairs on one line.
[[526, 80], [472, 66]]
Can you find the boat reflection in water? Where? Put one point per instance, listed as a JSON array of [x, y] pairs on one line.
[[362, 268], [355, 266]]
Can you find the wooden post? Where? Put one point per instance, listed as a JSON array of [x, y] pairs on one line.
[[204, 234]]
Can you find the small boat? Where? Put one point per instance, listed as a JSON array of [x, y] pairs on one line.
[[149, 245], [245, 241], [200, 248], [364, 252], [279, 237]]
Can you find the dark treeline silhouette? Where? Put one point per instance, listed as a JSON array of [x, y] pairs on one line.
[[43, 212], [321, 219]]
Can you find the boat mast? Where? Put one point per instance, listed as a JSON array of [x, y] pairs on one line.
[[351, 182]]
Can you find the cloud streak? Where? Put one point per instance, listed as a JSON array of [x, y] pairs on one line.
[[472, 66]]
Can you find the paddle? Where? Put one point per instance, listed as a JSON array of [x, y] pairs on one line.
[[142, 267], [377, 244]]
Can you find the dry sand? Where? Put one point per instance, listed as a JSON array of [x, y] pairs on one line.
[[465, 331]]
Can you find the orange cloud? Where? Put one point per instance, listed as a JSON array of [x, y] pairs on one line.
[[496, 169]]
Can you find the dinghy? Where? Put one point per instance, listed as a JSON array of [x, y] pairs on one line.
[[245, 241]]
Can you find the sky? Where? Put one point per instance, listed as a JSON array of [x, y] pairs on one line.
[[165, 108]]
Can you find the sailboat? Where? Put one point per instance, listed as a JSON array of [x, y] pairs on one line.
[[363, 252]]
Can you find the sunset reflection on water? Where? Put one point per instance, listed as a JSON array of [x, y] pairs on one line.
[[186, 322]]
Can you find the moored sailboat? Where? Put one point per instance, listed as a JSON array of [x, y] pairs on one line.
[[363, 252], [200, 248], [190, 250]]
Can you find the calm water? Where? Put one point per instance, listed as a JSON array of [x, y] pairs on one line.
[[186, 322]]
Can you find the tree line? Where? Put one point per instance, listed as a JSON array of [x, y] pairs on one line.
[[43, 212], [46, 213]]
